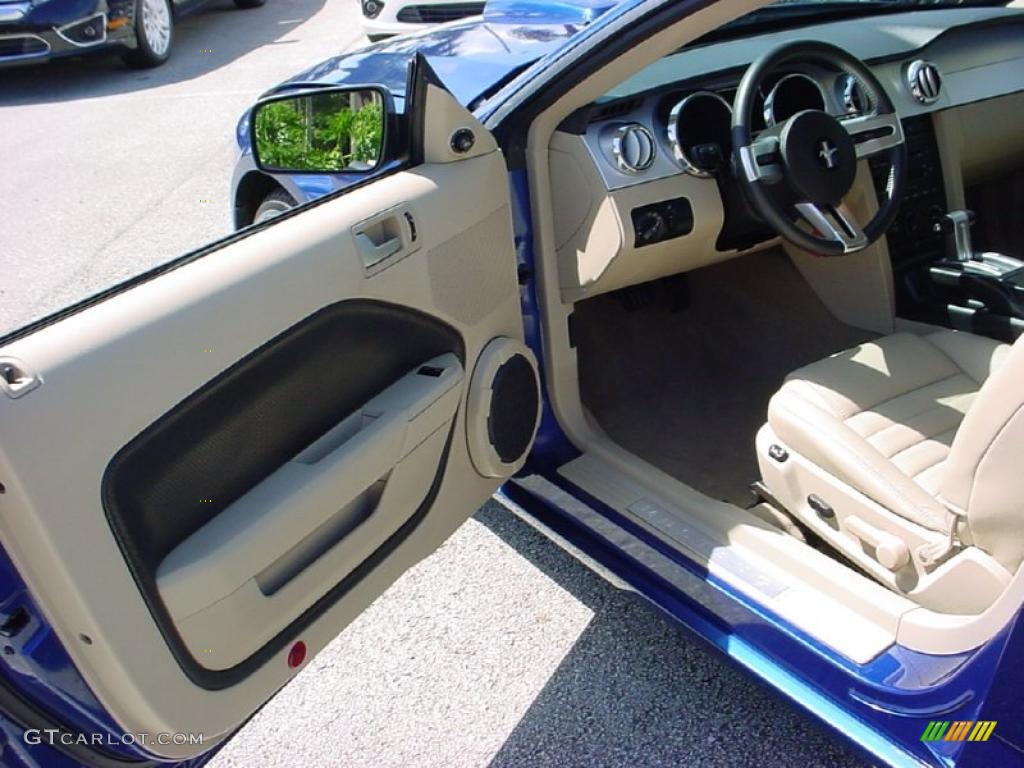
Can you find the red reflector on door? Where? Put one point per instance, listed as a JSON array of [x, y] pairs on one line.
[[297, 654]]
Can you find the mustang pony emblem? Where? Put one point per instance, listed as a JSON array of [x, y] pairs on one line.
[[827, 153]]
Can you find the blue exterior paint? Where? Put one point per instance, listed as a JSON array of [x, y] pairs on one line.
[[1004, 695], [18, 754], [809, 675], [469, 57], [575, 12], [43, 18], [881, 708], [551, 447], [34, 662]]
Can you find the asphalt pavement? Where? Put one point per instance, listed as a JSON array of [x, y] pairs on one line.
[[108, 171], [502, 650], [498, 650]]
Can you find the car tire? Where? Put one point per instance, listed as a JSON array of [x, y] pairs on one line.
[[154, 34], [249, 3], [274, 204]]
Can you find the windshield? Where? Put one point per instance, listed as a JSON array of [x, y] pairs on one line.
[[831, 7], [785, 14]]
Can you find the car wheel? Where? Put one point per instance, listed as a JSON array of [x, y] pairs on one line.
[[249, 3], [154, 34], [274, 204]]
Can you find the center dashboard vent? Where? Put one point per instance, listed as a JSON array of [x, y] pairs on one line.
[[924, 81]]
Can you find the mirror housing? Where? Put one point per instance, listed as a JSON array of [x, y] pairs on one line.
[[341, 129]]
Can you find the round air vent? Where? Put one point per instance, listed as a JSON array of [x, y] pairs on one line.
[[924, 81], [851, 95], [633, 148]]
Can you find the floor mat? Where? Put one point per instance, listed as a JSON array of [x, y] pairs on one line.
[[684, 380]]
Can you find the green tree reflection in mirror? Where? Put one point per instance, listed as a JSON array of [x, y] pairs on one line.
[[325, 132]]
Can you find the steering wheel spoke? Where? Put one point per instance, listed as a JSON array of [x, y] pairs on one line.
[[761, 161], [874, 134], [835, 223]]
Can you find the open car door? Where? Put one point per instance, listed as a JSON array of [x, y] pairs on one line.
[[238, 453]]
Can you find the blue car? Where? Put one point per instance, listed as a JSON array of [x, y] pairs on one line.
[[38, 30], [474, 58], [694, 287]]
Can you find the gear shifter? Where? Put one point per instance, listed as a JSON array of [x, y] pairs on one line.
[[959, 223], [990, 280], [996, 265]]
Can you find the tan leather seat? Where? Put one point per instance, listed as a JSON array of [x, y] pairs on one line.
[[907, 454]]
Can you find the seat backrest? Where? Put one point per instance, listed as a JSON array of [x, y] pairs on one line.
[[984, 474]]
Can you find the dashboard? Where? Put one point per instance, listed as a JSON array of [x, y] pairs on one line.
[[654, 153], [695, 123]]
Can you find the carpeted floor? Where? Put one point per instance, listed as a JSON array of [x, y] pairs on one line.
[[684, 380]]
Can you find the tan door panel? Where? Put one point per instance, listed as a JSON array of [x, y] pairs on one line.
[[299, 554]]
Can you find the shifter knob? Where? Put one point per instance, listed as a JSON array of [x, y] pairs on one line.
[[947, 223], [959, 224]]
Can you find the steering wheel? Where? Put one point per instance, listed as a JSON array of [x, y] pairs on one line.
[[808, 163]]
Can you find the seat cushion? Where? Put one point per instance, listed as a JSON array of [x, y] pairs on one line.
[[881, 417]]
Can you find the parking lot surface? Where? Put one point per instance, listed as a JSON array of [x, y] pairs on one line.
[[498, 650], [109, 171], [502, 650]]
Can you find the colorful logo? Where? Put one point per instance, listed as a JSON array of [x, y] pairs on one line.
[[958, 730]]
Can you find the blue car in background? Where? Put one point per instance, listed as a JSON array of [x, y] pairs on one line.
[[474, 58], [38, 30]]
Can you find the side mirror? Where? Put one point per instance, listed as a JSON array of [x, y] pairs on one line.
[[329, 130]]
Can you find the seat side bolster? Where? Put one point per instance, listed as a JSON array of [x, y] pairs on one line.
[[982, 476], [825, 440]]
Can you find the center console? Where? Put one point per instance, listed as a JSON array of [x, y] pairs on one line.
[[916, 237], [990, 285], [938, 276]]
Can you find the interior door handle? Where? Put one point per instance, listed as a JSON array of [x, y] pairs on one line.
[[374, 253]]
